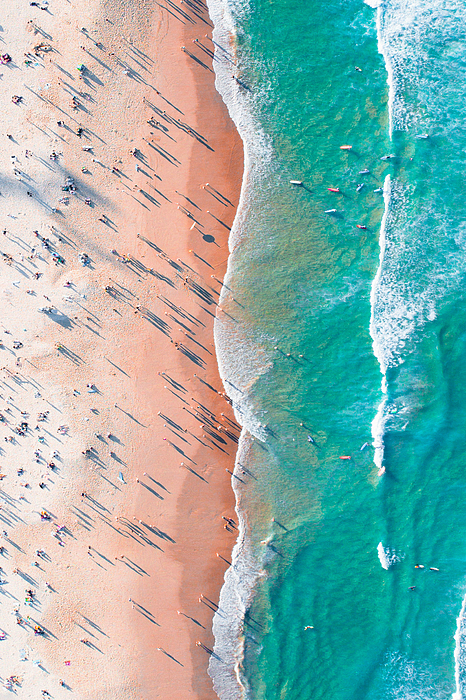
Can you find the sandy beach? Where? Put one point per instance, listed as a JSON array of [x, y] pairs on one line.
[[117, 441]]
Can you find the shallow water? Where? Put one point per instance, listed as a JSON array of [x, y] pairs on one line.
[[316, 317]]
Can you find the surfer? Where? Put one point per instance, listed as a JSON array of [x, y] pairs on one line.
[[359, 187], [310, 439], [309, 627]]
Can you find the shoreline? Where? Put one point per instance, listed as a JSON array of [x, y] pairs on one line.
[[241, 578], [143, 536]]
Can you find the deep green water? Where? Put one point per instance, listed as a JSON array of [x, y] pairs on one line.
[[302, 282]]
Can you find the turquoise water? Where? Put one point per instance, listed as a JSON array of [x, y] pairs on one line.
[[317, 316]]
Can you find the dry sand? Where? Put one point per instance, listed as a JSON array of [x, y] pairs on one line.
[[109, 359]]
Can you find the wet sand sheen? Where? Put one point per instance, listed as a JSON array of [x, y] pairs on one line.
[[140, 483]]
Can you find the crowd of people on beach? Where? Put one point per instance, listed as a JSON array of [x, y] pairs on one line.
[[60, 433]]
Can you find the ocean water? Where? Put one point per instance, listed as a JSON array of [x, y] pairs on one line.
[[344, 351]]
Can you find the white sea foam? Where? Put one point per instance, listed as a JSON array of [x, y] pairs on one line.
[[382, 556], [400, 308], [241, 362], [235, 598], [383, 49], [376, 339], [460, 654], [422, 261], [408, 679], [405, 28], [403, 303], [240, 365], [388, 556], [378, 429], [408, 285], [378, 424]]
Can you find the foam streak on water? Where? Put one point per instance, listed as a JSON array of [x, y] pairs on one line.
[[378, 424]]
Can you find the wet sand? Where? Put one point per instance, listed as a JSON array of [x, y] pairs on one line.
[[108, 356]]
